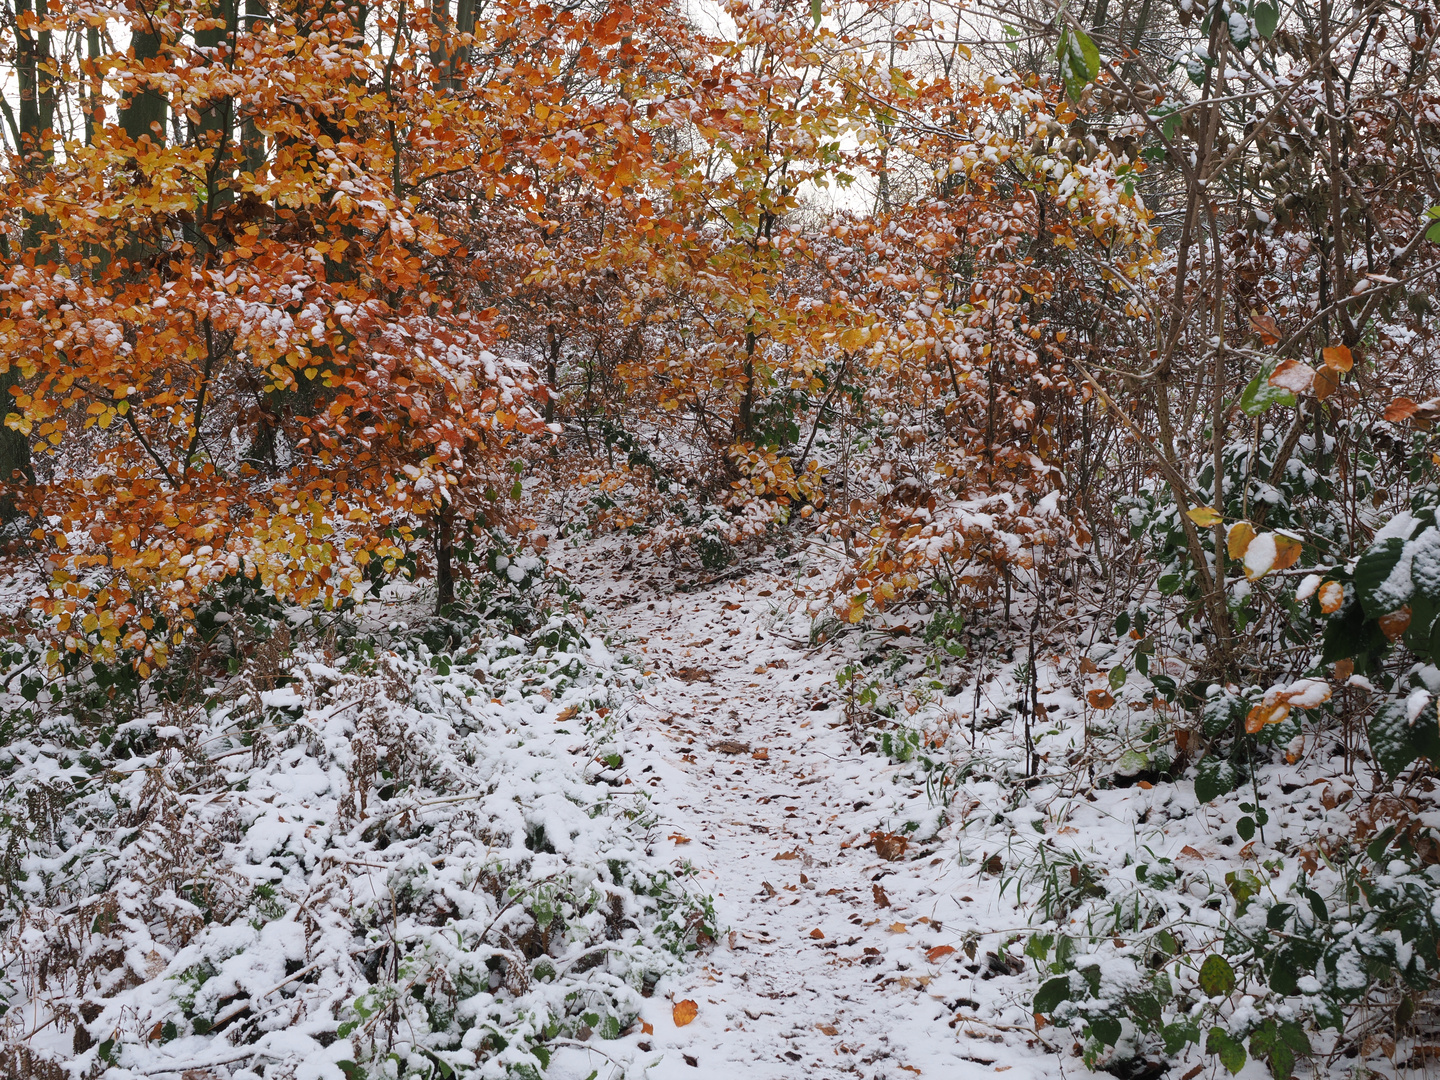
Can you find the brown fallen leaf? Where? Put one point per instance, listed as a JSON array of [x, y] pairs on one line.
[[567, 713], [938, 953], [817, 934], [730, 746], [647, 1028], [679, 839], [1189, 852], [898, 928], [762, 754], [692, 674], [1100, 699], [1402, 408], [786, 855], [881, 900], [828, 1029], [889, 846], [684, 1011]]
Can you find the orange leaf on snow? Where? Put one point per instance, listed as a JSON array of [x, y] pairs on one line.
[[938, 953], [647, 1028], [898, 928], [1100, 699], [1294, 376], [761, 755], [684, 1011], [679, 839], [817, 934]]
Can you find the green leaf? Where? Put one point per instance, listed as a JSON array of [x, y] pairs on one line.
[[1217, 977], [1122, 623], [815, 11], [1169, 119], [1051, 994], [1246, 828], [1267, 18], [1372, 571], [1259, 395], [1117, 677], [1215, 777], [1106, 1029], [1179, 1035], [1397, 743], [1079, 61], [1433, 233], [1230, 1051]]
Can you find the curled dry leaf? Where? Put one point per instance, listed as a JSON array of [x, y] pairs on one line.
[[683, 1012], [1332, 596], [890, 846], [1294, 376], [1266, 327]]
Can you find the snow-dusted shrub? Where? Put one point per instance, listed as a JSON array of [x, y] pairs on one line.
[[387, 862]]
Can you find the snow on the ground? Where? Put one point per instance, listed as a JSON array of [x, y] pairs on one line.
[[832, 960]]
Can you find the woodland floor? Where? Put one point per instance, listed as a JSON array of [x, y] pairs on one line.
[[822, 967]]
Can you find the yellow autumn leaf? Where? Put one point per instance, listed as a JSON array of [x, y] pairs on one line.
[[1204, 516], [1238, 539]]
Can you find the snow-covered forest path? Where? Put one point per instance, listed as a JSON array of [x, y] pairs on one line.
[[832, 961]]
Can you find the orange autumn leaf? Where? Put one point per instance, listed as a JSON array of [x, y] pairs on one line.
[[1260, 715], [1332, 597], [683, 1012], [938, 953], [1265, 326], [1287, 551], [1100, 699], [1337, 358], [1395, 623], [1327, 381], [1294, 376], [1401, 409]]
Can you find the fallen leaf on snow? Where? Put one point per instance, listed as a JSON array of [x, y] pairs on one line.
[[786, 855], [898, 928], [890, 846], [938, 953], [566, 713], [762, 754], [684, 1011], [817, 933], [828, 1029], [679, 839], [647, 1028]]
